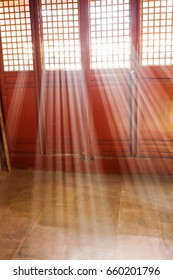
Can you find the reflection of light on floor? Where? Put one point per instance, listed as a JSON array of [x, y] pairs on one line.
[[52, 215]]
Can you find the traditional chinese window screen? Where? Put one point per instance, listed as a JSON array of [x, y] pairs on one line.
[[60, 31], [157, 32], [109, 31], [16, 35]]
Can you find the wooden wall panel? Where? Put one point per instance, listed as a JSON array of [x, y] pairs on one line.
[[20, 109], [63, 111], [111, 108], [155, 111]]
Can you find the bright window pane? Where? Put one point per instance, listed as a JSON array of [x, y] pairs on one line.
[[60, 32], [16, 35], [109, 32], [157, 32]]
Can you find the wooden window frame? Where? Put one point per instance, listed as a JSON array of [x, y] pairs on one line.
[[16, 37], [85, 43], [155, 30]]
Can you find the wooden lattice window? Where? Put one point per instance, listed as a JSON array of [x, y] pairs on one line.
[[157, 32], [16, 35], [109, 31], [60, 31]]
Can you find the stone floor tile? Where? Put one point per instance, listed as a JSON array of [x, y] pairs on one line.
[[44, 243], [132, 247], [8, 248], [93, 246], [139, 222], [15, 225]]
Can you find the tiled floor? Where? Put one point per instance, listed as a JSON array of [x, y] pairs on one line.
[[49, 215]]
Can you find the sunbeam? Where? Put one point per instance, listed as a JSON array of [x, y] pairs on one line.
[[86, 89]]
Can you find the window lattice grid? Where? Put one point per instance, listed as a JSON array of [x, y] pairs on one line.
[[157, 32], [109, 31], [60, 28], [16, 35]]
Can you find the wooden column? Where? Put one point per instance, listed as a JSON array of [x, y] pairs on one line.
[[85, 61]]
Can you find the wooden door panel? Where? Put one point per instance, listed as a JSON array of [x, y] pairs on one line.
[[21, 119], [155, 117], [111, 105], [64, 119]]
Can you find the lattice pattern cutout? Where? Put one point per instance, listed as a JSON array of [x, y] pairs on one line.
[[110, 40], [157, 32], [16, 35], [60, 27]]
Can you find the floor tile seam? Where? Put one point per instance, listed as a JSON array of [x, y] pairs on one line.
[[13, 200], [149, 210], [26, 235], [5, 210], [25, 213], [40, 202], [141, 234], [133, 235], [8, 208], [18, 248], [164, 239], [159, 229]]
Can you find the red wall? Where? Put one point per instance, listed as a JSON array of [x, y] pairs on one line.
[[127, 124]]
